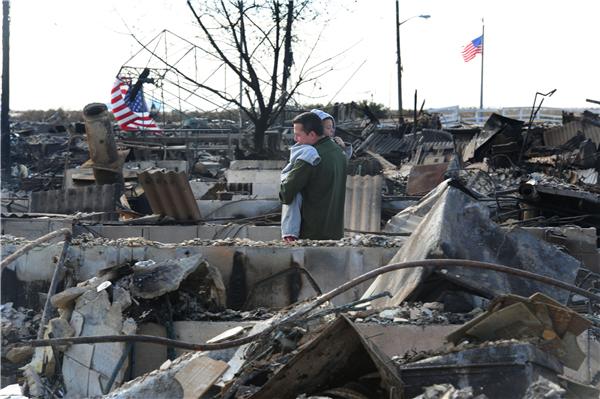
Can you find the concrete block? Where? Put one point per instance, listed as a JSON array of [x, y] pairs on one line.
[[201, 331], [26, 228], [75, 373], [94, 258], [159, 253], [199, 188], [253, 176], [256, 164], [266, 190], [113, 232], [171, 234], [263, 233], [147, 356], [209, 231], [98, 361], [138, 253], [591, 365]]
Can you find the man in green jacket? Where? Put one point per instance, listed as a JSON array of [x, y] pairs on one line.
[[323, 186]]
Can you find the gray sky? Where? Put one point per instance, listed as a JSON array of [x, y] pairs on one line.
[[66, 53]]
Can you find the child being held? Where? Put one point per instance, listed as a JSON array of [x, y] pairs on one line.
[[290, 214], [329, 130]]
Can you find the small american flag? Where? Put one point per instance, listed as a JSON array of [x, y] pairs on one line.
[[474, 47], [131, 114]]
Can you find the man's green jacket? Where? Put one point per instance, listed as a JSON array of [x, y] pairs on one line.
[[323, 189]]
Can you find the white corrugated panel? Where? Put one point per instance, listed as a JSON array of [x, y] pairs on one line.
[[587, 176], [363, 203]]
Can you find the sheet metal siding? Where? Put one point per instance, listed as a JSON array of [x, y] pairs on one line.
[[424, 178], [382, 143], [557, 136], [170, 194], [363, 203], [385, 143], [94, 198]]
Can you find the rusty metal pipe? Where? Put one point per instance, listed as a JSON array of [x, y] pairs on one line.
[[443, 263], [102, 145]]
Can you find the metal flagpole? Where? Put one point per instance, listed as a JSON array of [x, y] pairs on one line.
[[482, 52]]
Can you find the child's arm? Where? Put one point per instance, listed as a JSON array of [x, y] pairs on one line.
[[295, 181]]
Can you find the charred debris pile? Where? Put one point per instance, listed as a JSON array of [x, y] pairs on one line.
[[470, 268]]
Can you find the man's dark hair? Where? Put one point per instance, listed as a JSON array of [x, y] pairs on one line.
[[310, 122]]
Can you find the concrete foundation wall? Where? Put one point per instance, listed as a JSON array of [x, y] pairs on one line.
[[329, 266], [34, 228], [177, 234]]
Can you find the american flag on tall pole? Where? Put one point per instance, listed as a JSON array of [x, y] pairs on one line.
[[131, 114], [473, 48]]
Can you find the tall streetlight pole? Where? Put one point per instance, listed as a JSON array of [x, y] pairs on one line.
[[399, 57], [400, 118]]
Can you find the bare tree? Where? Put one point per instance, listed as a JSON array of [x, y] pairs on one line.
[[254, 39]]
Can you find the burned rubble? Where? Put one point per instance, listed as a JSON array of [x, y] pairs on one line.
[[470, 266]]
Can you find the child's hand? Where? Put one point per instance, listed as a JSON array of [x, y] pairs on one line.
[[339, 141]]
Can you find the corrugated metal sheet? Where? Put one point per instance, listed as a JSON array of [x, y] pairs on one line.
[[559, 135], [382, 143], [93, 198], [363, 203], [433, 136], [170, 194], [385, 142]]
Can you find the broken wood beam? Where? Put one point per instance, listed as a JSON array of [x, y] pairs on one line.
[[53, 285], [28, 247]]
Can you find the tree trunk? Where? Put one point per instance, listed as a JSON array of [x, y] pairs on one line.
[[260, 127]]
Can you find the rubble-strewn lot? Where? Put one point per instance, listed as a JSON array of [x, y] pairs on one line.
[[470, 269]]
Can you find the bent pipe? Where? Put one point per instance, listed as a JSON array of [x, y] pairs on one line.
[[27, 247], [435, 263]]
